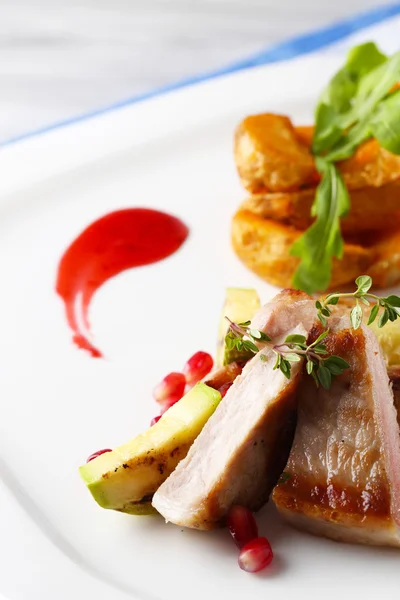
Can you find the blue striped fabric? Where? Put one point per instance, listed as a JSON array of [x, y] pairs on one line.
[[298, 46]]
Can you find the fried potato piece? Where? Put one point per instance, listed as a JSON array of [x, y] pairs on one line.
[[270, 156], [370, 165], [371, 208], [273, 156], [263, 246], [385, 269]]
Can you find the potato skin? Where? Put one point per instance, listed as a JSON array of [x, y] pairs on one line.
[[270, 157], [263, 246], [274, 156], [371, 208], [385, 269]]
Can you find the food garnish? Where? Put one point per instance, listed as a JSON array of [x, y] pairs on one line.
[[357, 104], [389, 304], [320, 366], [242, 525], [255, 555], [243, 338]]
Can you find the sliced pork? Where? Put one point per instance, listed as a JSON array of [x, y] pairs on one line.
[[343, 473], [240, 453]]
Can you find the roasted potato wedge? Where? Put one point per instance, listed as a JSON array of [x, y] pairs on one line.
[[370, 165], [273, 156], [264, 246], [385, 269], [270, 157], [371, 208]]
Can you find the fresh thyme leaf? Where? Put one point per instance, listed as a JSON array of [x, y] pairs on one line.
[[321, 337], [322, 319], [277, 362], [309, 366], [255, 334], [334, 300], [264, 337], [356, 316], [320, 349], [295, 339], [249, 345], [285, 367], [245, 324], [337, 360], [263, 358], [363, 283], [314, 376], [324, 377], [336, 365], [364, 301], [292, 357], [323, 240], [392, 313], [392, 301], [373, 314], [383, 319]]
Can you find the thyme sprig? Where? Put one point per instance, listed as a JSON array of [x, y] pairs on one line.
[[389, 304], [319, 365]]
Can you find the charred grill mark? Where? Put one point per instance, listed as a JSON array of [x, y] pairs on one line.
[[333, 501]]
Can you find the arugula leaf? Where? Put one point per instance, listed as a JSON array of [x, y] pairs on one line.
[[385, 125], [358, 103], [375, 86], [337, 97], [323, 239], [363, 58]]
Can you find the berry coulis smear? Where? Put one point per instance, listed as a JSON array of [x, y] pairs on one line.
[[120, 240]]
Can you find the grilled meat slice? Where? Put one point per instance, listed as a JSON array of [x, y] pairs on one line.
[[394, 377], [344, 467], [240, 453]]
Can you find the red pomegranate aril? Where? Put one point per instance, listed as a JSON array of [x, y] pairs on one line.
[[171, 387], [155, 420], [242, 525], [255, 555], [197, 367], [98, 453], [224, 388]]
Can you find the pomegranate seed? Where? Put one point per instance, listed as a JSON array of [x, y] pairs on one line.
[[255, 555], [98, 453], [171, 387], [242, 525], [197, 367], [224, 388], [155, 420]]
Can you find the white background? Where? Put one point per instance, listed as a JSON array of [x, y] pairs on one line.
[[59, 58]]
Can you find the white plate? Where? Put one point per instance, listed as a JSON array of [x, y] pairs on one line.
[[59, 405]]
